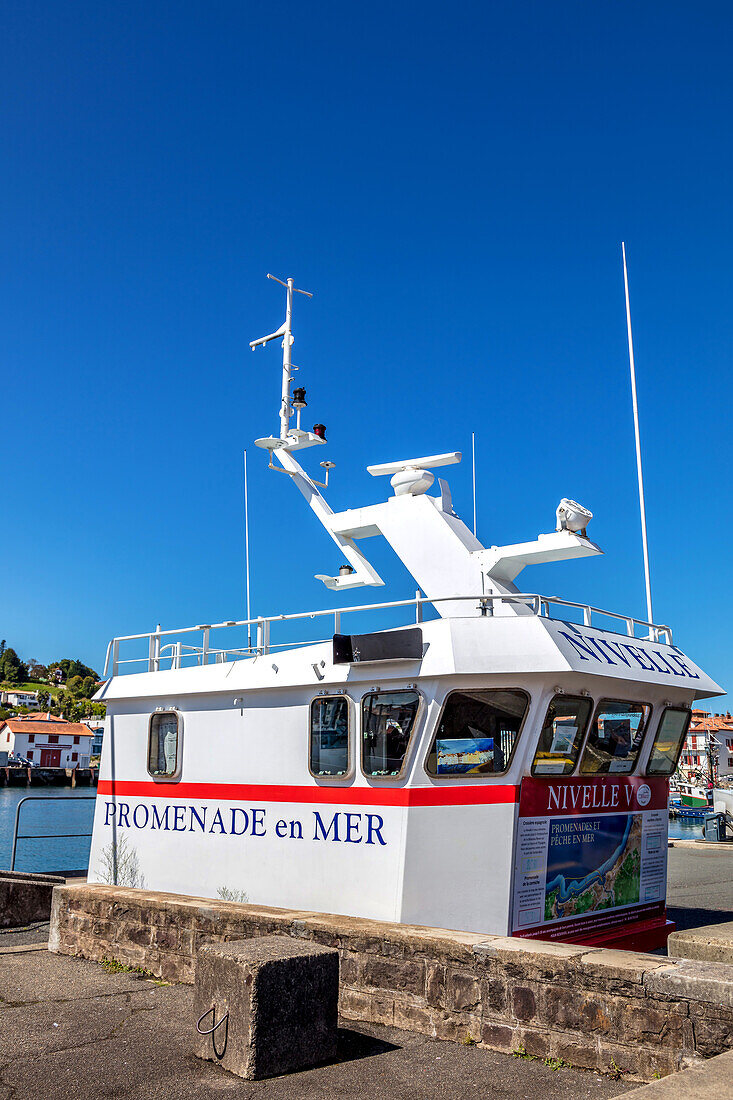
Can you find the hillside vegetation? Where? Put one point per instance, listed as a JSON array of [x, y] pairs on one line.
[[65, 687]]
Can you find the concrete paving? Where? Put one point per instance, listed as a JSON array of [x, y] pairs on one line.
[[700, 885], [70, 1030]]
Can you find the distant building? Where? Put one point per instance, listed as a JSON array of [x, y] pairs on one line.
[[19, 698], [96, 725], [47, 741], [708, 748]]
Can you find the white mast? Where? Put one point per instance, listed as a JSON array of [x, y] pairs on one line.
[[246, 552], [640, 476], [286, 331], [473, 467]]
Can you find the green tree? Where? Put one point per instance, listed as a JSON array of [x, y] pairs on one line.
[[12, 669], [43, 699], [74, 685], [89, 686]]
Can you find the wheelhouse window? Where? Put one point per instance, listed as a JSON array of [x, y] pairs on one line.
[[163, 744], [615, 738], [668, 742], [562, 735], [387, 722], [476, 733], [329, 737]]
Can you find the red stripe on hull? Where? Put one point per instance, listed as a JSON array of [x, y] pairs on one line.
[[503, 794]]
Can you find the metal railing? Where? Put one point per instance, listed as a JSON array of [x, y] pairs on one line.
[[44, 836], [172, 655]]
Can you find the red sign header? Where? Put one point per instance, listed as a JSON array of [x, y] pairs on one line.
[[608, 794]]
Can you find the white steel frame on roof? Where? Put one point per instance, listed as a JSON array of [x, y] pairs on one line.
[[530, 602]]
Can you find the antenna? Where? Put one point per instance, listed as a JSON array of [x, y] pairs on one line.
[[642, 507], [286, 331], [246, 553], [473, 467]]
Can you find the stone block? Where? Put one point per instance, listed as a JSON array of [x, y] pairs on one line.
[[281, 996], [693, 981], [400, 975], [497, 1036], [25, 898], [711, 1078], [709, 943], [464, 991]]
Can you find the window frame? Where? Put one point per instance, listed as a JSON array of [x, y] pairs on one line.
[[581, 740], [350, 725], [668, 775], [473, 779], [413, 732], [175, 776], [649, 707]]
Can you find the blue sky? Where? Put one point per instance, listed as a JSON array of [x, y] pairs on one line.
[[453, 183]]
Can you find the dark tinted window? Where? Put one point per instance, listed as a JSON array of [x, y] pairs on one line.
[[562, 735], [476, 732], [387, 721], [615, 738], [669, 741], [329, 736], [163, 745]]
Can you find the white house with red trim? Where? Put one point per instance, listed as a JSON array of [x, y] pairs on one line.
[[47, 741]]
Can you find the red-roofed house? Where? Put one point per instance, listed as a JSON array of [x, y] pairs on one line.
[[47, 741], [708, 746]]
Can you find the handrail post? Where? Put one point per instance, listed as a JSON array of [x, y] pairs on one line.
[[15, 832], [418, 607], [205, 646], [337, 622], [115, 656], [587, 616], [630, 628], [263, 636]]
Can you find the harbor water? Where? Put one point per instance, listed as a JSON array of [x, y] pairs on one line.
[[66, 812]]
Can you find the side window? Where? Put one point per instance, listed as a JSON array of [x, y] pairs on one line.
[[668, 742], [615, 738], [387, 721], [476, 732], [562, 735], [164, 745], [329, 736]]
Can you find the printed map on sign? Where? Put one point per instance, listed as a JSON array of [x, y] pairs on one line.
[[592, 864]]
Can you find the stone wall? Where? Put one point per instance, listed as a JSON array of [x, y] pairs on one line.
[[596, 1008]]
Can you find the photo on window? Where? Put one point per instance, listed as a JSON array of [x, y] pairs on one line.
[[387, 721], [615, 737], [329, 737], [476, 732], [561, 735], [668, 742], [163, 745]]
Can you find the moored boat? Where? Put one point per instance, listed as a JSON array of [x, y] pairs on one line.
[[498, 763]]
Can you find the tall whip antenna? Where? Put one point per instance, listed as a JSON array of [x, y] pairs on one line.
[[642, 506], [473, 466], [246, 552]]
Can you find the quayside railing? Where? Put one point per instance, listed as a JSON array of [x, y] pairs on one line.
[[176, 653]]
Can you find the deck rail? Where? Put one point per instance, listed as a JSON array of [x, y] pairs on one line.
[[178, 654], [44, 836]]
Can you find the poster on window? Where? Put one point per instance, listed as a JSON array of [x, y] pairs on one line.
[[465, 756], [591, 854]]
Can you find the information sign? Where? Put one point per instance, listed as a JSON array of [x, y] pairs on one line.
[[591, 855]]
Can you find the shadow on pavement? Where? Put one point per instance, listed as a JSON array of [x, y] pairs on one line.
[[353, 1045], [686, 917]]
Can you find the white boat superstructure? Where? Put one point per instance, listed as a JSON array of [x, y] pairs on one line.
[[498, 762]]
